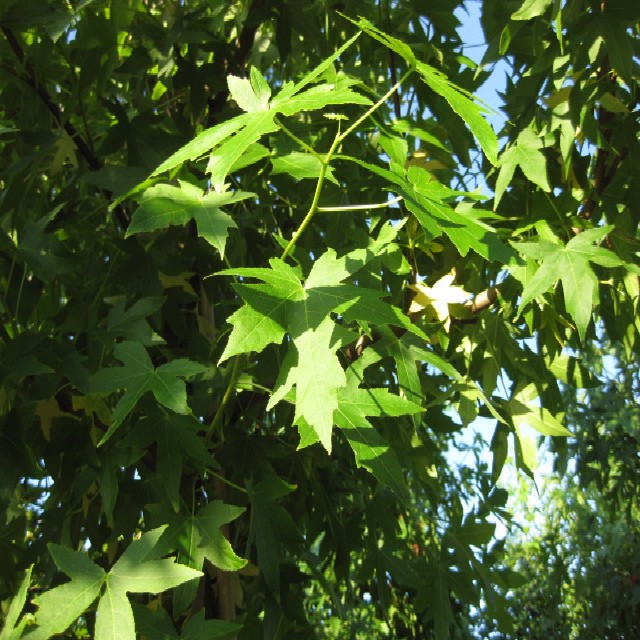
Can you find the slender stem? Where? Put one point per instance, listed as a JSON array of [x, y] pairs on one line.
[[313, 208], [327, 159], [238, 364], [363, 207]]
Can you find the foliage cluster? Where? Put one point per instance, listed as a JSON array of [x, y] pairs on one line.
[[251, 297]]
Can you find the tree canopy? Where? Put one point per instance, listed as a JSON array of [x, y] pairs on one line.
[[263, 264]]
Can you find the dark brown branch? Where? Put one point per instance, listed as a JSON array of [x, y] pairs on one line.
[[602, 176], [244, 43], [85, 151]]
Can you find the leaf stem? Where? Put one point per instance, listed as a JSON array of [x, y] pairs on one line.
[[233, 485], [299, 141], [313, 209]]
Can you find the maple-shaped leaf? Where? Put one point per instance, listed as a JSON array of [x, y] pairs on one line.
[[570, 264], [434, 301], [139, 569], [163, 205], [138, 376], [199, 537], [132, 324], [284, 305], [526, 154]]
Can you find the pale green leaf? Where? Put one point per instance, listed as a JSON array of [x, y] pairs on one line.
[[61, 606], [226, 155], [243, 93], [289, 90], [318, 378], [114, 617], [319, 97], [150, 576], [531, 9], [525, 411], [570, 265], [203, 143], [259, 322], [527, 154]]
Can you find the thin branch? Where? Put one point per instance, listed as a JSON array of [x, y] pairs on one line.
[[85, 151]]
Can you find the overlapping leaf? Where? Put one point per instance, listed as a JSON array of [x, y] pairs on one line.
[[138, 376], [570, 264]]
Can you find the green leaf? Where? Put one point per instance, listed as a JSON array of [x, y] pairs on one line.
[[59, 607], [138, 376], [319, 97], [271, 526], [203, 143], [527, 154], [226, 155], [114, 617], [318, 377], [213, 544], [531, 9], [524, 411], [469, 111], [261, 321], [289, 90], [199, 537], [12, 630], [371, 450], [163, 205], [300, 166], [439, 601], [132, 324], [153, 623], [169, 463], [75, 563], [250, 98], [388, 41], [570, 265], [197, 628]]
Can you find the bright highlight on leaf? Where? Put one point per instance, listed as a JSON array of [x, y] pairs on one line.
[[433, 302]]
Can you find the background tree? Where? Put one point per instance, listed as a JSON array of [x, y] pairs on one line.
[[251, 302], [578, 553]]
